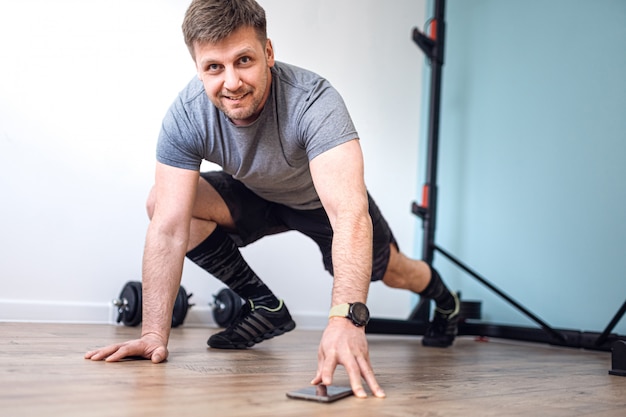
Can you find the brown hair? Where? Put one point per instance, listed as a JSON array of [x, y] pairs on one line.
[[214, 20]]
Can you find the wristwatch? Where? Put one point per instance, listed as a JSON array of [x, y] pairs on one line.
[[357, 312]]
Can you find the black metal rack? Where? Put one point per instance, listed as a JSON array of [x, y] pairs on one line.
[[416, 323]]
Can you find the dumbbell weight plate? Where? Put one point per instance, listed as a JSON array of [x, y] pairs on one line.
[[181, 306], [226, 307], [470, 310], [129, 311]]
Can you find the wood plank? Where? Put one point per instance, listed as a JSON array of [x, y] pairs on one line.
[[43, 373]]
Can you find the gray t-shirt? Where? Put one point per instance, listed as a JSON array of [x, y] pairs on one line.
[[303, 117]]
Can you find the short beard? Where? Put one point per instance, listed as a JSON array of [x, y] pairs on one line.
[[241, 113]]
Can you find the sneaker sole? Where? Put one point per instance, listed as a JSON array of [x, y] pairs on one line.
[[265, 336], [437, 343]]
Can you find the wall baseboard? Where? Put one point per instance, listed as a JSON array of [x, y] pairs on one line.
[[105, 313], [56, 312]]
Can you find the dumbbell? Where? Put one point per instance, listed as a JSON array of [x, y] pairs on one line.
[[226, 306], [469, 310], [129, 305]]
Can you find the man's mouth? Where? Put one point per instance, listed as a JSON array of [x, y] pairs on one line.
[[235, 98]]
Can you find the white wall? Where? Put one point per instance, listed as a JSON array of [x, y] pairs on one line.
[[83, 88]]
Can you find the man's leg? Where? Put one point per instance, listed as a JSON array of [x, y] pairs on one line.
[[211, 248], [419, 277]]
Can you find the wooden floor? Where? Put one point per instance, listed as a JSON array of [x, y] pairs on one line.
[[43, 373]]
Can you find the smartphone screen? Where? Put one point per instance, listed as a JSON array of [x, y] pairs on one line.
[[321, 393]]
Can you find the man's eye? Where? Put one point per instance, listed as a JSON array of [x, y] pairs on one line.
[[244, 59], [213, 68]]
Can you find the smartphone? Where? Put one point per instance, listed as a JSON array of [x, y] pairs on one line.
[[321, 393]]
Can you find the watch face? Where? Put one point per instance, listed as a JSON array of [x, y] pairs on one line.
[[359, 314]]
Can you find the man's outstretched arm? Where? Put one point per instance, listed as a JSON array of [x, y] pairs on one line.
[[164, 252], [339, 181]]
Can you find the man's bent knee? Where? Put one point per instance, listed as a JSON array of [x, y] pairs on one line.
[[394, 280], [393, 275]]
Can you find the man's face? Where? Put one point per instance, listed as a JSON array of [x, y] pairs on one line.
[[236, 74]]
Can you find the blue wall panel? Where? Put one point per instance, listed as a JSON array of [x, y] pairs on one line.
[[532, 169]]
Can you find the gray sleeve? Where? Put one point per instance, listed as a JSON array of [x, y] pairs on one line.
[[179, 143], [325, 121]]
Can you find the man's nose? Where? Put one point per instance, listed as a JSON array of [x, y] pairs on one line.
[[232, 80]]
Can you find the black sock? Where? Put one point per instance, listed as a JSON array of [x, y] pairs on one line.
[[220, 257], [438, 291]]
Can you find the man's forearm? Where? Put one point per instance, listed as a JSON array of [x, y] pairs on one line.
[[352, 258], [162, 270]]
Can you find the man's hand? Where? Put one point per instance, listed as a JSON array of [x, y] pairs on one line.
[[148, 347], [345, 344]]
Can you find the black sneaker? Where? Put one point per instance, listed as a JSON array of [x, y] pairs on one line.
[[444, 326], [253, 325]]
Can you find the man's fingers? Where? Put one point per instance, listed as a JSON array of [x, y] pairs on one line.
[[318, 379], [118, 355], [368, 374], [343, 345], [123, 351], [134, 348], [102, 353], [328, 369], [320, 364], [354, 374]]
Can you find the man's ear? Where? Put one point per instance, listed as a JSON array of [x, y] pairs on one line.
[[269, 53]]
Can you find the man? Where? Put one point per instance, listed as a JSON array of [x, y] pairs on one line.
[[291, 160]]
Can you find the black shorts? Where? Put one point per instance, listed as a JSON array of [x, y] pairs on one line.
[[255, 217]]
